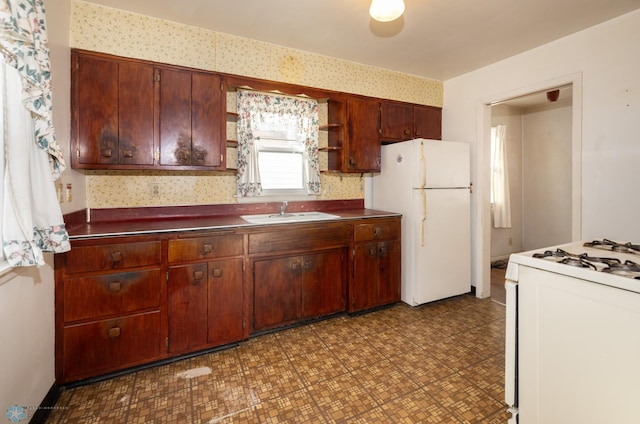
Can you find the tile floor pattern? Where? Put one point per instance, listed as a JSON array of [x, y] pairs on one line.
[[439, 363]]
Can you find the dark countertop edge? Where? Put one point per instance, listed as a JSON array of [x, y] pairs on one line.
[[90, 230]]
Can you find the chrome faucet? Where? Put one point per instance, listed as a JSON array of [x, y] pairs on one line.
[[283, 207]]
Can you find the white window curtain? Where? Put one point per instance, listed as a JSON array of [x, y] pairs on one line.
[[260, 112], [31, 218], [500, 178]]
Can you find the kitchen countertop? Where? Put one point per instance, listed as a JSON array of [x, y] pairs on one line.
[[79, 229]]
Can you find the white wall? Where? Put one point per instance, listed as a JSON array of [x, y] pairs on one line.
[[27, 295], [546, 176], [606, 59], [27, 334]]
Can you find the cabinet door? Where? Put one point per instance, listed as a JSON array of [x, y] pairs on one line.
[[427, 122], [364, 150], [389, 272], [206, 120], [397, 121], [135, 114], [364, 286], [113, 104], [323, 284], [225, 301], [175, 117], [277, 292], [95, 91], [187, 307], [102, 346]]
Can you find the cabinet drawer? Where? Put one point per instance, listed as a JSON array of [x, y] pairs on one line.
[[111, 294], [323, 237], [205, 247], [380, 230], [113, 256], [102, 346]]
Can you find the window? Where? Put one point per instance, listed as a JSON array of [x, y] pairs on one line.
[[500, 200], [281, 163], [277, 145]]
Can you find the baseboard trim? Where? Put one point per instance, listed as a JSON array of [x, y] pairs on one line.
[[47, 405]]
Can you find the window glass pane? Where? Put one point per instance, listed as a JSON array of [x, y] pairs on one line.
[[281, 170]]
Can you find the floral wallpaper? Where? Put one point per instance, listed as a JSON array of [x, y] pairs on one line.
[[121, 33]]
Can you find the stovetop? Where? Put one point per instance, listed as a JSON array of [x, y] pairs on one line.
[[612, 265], [603, 260]]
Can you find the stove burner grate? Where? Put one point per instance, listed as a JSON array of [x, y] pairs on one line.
[[583, 260], [614, 246]]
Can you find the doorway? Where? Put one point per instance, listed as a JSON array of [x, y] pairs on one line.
[[544, 163]]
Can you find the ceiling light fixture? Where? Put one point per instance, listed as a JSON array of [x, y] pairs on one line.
[[386, 10]]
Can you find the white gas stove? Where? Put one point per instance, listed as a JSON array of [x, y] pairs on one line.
[[572, 339], [600, 261]]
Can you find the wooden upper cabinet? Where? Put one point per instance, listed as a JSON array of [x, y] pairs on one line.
[[402, 121], [191, 119], [427, 122], [112, 112], [364, 150], [396, 121], [132, 114]]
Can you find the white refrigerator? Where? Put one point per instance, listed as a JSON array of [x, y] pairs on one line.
[[428, 182]]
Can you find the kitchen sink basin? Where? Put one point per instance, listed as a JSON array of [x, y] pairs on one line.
[[276, 218]]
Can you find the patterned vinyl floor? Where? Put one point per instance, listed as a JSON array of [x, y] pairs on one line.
[[439, 363]]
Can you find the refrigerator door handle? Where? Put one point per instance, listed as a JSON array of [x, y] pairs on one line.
[[423, 167], [423, 192]]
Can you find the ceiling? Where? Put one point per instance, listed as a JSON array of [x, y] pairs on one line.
[[437, 39]]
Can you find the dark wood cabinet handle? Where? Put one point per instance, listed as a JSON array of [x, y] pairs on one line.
[[383, 250], [307, 265], [115, 287], [106, 153], [116, 256], [114, 332], [373, 252], [127, 153], [197, 276], [294, 266], [352, 161], [217, 273], [207, 248]]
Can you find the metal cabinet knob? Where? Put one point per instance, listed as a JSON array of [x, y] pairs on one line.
[[114, 332], [115, 286]]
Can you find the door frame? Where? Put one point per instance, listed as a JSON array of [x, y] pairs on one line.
[[481, 260]]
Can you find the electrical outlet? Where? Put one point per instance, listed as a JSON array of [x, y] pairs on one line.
[[155, 189], [69, 192]]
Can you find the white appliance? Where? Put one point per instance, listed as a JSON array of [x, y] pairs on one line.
[[572, 334], [428, 182]]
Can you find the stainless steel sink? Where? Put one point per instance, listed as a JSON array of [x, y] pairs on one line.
[[277, 218]]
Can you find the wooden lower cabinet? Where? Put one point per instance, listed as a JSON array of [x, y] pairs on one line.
[[293, 288], [108, 306], [128, 301], [205, 305], [101, 346], [375, 267]]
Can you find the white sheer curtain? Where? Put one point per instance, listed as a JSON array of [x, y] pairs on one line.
[[271, 112], [500, 178], [31, 218]]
